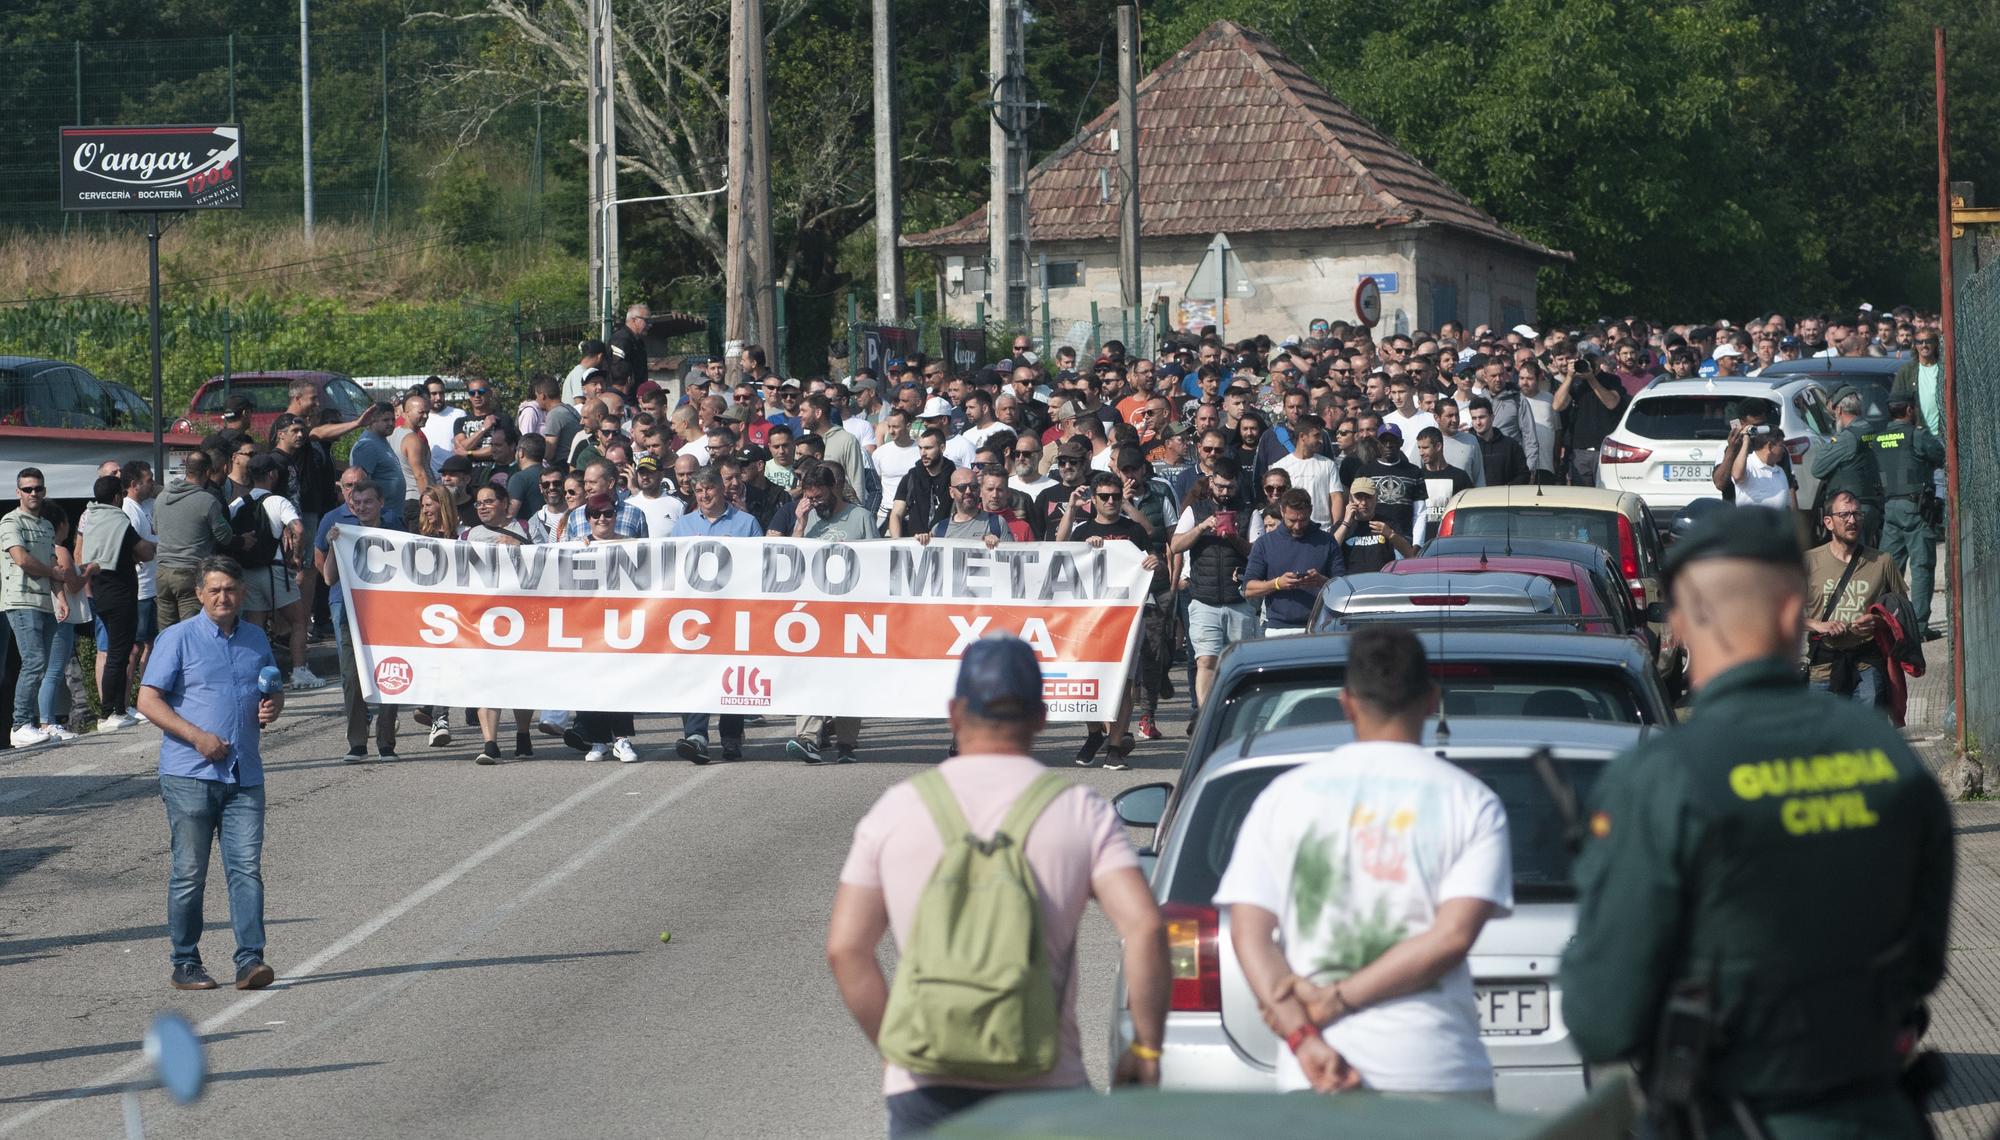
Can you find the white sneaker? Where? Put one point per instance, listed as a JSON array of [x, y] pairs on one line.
[[117, 721], [137, 716], [304, 678], [622, 748], [27, 736], [57, 734], [595, 754]]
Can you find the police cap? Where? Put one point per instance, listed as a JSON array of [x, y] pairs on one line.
[[1758, 534]]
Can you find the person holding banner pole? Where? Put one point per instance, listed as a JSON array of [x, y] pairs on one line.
[[599, 732], [713, 517], [496, 526], [827, 513], [364, 508]]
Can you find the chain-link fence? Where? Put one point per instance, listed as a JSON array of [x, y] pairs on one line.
[[1976, 411], [382, 129], [965, 345]]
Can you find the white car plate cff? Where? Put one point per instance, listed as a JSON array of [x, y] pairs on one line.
[[1689, 472], [1512, 1010]]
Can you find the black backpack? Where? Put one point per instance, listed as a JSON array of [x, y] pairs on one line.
[[250, 518]]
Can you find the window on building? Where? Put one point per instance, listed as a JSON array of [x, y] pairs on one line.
[[1064, 274]]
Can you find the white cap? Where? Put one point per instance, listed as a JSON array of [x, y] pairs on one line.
[[1725, 349], [935, 406], [1525, 331]]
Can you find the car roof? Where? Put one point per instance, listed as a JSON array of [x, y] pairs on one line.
[[1304, 742], [1829, 365], [1469, 581], [1444, 645], [1496, 563], [254, 377], [34, 363], [1664, 385], [1559, 498]]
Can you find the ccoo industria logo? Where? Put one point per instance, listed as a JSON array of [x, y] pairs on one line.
[[152, 168]]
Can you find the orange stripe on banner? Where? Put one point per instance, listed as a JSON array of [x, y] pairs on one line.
[[728, 627]]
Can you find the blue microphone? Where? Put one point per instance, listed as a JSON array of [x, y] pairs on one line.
[[270, 682]]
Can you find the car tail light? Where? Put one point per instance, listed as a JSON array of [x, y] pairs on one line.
[[1460, 669], [1612, 451], [1798, 447], [1628, 561], [1192, 959], [1445, 524], [1441, 600]]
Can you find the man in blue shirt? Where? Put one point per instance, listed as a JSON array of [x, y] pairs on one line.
[[377, 459], [1289, 565], [601, 478], [713, 517], [201, 690], [361, 506]]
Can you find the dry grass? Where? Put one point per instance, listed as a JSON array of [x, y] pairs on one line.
[[236, 256]]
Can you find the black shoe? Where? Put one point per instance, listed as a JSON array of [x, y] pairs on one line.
[[524, 744], [385, 754], [422, 716], [575, 740], [732, 750], [1118, 757], [355, 755], [547, 729], [1088, 752], [693, 749], [825, 737], [190, 976], [489, 753], [255, 976], [1932, 633], [845, 755], [804, 748]]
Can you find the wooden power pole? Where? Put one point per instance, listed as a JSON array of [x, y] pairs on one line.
[[751, 299], [1130, 287], [888, 199]]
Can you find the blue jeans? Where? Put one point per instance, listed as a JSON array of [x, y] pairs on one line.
[[60, 651], [200, 813], [917, 1112], [35, 637], [696, 724], [1868, 687]]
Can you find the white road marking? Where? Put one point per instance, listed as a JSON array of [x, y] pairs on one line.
[[79, 770], [135, 749], [355, 937]]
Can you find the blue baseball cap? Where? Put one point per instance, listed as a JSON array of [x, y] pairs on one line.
[[998, 676]]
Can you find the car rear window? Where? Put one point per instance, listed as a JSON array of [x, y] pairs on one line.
[[1700, 416], [1598, 528], [264, 395], [1510, 689], [1535, 831]]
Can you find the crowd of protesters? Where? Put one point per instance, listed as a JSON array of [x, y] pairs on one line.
[[1249, 472]]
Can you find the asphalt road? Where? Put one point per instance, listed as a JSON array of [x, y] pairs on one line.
[[467, 951]]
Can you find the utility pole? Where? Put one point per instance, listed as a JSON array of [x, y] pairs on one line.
[[1129, 284], [888, 202], [1007, 152], [603, 162], [750, 313], [306, 113]]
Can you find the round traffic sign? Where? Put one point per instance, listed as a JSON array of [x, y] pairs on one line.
[[1368, 302]]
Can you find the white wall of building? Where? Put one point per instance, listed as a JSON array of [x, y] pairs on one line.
[[1292, 279]]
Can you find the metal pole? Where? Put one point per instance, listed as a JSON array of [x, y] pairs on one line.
[[748, 280], [1947, 358], [382, 152], [888, 203], [778, 346], [1096, 333], [535, 187], [306, 113], [603, 151], [228, 339], [79, 122], [1042, 264], [520, 371], [232, 77], [1128, 156], [153, 322]]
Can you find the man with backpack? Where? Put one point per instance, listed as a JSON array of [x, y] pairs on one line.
[[270, 539], [981, 869]]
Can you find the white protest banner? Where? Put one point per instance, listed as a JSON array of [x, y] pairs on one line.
[[774, 625]]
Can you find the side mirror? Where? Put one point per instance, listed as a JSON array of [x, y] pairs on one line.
[[1142, 806], [173, 1051], [1656, 612]]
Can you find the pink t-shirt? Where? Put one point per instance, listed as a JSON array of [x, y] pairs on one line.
[[1076, 840]]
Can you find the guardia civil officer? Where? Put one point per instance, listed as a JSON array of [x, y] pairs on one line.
[[1765, 890], [1909, 457], [1847, 463]]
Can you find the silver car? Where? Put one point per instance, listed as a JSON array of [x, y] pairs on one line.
[[1216, 1039]]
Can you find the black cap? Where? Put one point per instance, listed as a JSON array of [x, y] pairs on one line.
[[1757, 534]]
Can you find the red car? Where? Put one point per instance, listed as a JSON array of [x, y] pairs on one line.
[[1579, 594], [269, 394]]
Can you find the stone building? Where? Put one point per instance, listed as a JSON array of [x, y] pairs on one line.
[[1235, 140]]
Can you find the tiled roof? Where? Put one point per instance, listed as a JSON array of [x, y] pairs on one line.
[[1234, 138]]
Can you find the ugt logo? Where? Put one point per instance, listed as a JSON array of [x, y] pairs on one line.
[[745, 685], [393, 676]]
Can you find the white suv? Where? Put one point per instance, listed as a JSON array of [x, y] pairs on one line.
[[1675, 431]]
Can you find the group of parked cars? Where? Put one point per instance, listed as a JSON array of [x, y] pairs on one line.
[[1542, 611]]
